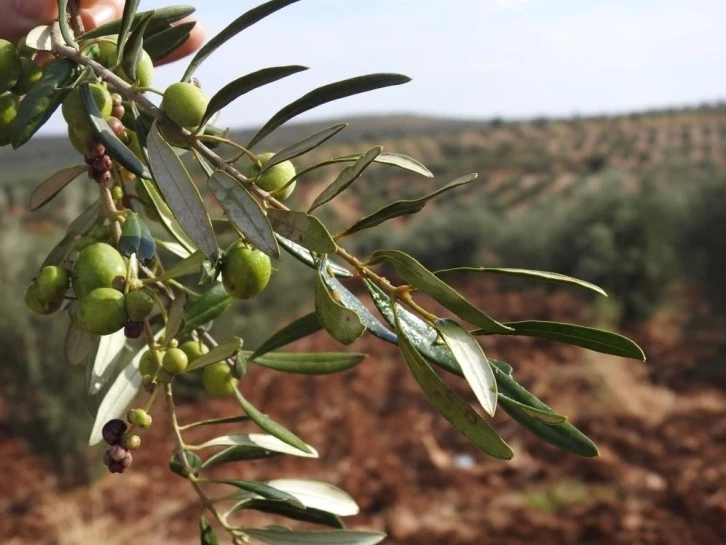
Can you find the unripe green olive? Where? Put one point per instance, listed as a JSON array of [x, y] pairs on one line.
[[52, 282], [148, 364], [101, 312], [30, 73], [139, 418], [97, 266], [218, 380], [105, 51], [194, 349], [75, 114], [185, 103], [275, 177], [78, 139], [139, 305], [175, 361], [131, 442], [10, 67], [245, 271], [9, 104], [35, 301]]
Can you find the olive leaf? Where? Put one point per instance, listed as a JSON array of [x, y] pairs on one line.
[[243, 85], [216, 354], [404, 207], [127, 21], [263, 490], [315, 363], [392, 159], [163, 43], [303, 229], [306, 514], [80, 226], [275, 536], [181, 194], [159, 17], [212, 304], [206, 532], [46, 190], [422, 279], [309, 258], [134, 48], [318, 495], [325, 94], [346, 177], [343, 324], [301, 147], [298, 329], [244, 212]]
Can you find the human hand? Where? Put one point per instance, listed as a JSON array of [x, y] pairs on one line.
[[20, 16]]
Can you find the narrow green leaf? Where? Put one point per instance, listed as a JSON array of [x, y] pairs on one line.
[[302, 228], [564, 436], [318, 495], [39, 38], [314, 363], [164, 43], [542, 275], [325, 94], [107, 354], [161, 16], [175, 316], [166, 215], [404, 207], [270, 426], [188, 265], [393, 159], [452, 407], [114, 147], [206, 533], [474, 364], [127, 21], [80, 226], [350, 301], [263, 490], [235, 27], [424, 338], [243, 85], [343, 324], [397, 160], [299, 329], [303, 146], [273, 536], [216, 354], [260, 442], [212, 304], [307, 514], [181, 194], [544, 416], [244, 212], [308, 258], [591, 338], [62, 21], [346, 177], [46, 190], [422, 279], [42, 100], [134, 48]]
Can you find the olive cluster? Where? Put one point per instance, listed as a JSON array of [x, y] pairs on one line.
[[18, 74], [121, 440]]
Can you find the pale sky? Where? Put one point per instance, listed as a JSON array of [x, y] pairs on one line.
[[472, 58]]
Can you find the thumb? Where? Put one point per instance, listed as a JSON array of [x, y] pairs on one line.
[[20, 16]]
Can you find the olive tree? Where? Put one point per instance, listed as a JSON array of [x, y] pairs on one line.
[[140, 307]]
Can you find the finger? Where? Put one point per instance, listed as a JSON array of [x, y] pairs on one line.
[[20, 16], [95, 14], [195, 41]]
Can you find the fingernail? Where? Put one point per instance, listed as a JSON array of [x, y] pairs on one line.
[[30, 9]]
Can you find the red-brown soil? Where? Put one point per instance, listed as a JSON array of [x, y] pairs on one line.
[[661, 429]]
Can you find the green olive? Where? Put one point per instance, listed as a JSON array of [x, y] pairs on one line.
[[10, 66], [74, 112], [218, 380], [185, 103], [139, 305], [245, 271], [139, 418], [148, 364], [97, 266], [30, 73], [274, 177], [101, 312], [52, 281], [35, 301], [175, 361], [194, 349], [105, 51], [9, 104]]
